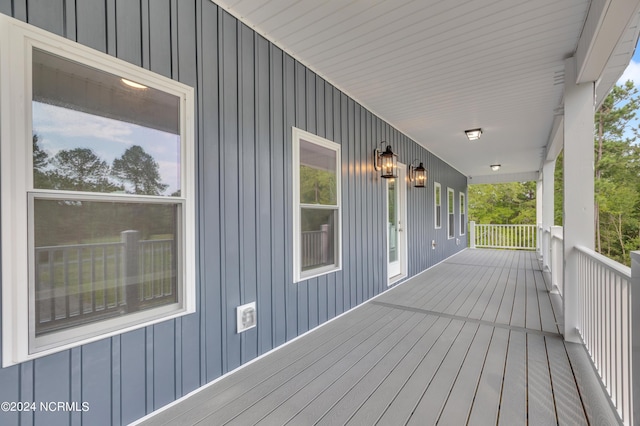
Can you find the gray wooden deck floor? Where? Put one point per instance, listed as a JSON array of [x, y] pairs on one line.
[[472, 341]]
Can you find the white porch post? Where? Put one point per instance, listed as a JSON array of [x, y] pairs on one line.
[[578, 187], [540, 235], [635, 336], [472, 234], [548, 193]]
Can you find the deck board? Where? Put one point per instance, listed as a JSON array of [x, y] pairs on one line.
[[460, 401], [473, 341], [540, 401], [487, 398], [513, 405]]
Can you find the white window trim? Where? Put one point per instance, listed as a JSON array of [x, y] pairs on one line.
[[16, 42], [463, 211], [451, 203], [298, 274], [435, 205]]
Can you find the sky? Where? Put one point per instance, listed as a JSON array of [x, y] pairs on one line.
[[633, 70], [632, 73]]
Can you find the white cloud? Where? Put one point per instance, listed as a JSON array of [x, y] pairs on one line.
[[631, 73], [49, 119]]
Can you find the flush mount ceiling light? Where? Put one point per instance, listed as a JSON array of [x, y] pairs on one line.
[[495, 167], [473, 134], [133, 84]]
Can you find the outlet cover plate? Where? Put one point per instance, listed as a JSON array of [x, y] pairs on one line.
[[246, 317]]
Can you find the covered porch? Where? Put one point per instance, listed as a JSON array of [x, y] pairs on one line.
[[474, 340]]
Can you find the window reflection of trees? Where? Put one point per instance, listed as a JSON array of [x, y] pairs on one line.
[[80, 169]]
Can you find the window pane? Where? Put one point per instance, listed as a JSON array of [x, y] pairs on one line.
[[92, 131], [392, 205], [450, 202], [97, 260], [319, 237], [318, 182], [451, 225]]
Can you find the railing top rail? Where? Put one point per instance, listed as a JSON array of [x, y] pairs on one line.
[[513, 225], [610, 264], [167, 240], [76, 246]]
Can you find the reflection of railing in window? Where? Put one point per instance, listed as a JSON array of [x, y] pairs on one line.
[[316, 248], [76, 284]]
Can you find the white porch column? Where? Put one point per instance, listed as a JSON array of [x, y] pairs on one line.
[[540, 235], [548, 195], [578, 187]]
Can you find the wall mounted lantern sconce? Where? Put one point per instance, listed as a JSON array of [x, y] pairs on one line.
[[473, 134], [495, 167], [385, 162], [418, 175]]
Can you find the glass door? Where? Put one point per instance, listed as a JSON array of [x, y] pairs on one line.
[[396, 224]]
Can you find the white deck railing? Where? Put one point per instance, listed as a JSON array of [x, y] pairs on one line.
[[518, 237], [606, 304], [604, 323]]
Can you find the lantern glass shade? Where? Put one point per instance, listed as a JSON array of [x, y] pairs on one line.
[[388, 162], [419, 176]]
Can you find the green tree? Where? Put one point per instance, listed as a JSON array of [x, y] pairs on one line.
[[80, 169], [40, 164], [612, 152], [139, 169], [506, 203], [317, 186]]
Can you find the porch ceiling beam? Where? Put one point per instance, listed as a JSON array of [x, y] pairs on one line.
[[504, 177], [606, 22], [556, 140]]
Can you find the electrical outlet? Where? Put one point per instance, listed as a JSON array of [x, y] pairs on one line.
[[246, 317]]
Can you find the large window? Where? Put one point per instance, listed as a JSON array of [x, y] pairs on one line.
[[97, 189], [437, 202], [451, 225], [316, 200], [463, 214]]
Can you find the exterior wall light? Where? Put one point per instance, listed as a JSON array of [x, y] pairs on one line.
[[473, 134], [418, 175], [385, 162], [495, 167]]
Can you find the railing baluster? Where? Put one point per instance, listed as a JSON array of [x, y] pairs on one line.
[[506, 236], [605, 324]]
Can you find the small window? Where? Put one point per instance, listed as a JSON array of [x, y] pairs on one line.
[[451, 208], [97, 188], [438, 204], [317, 218], [463, 215]]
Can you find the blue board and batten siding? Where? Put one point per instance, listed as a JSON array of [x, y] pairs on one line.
[[249, 95]]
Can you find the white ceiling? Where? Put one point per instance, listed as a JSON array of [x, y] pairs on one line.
[[435, 68]]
